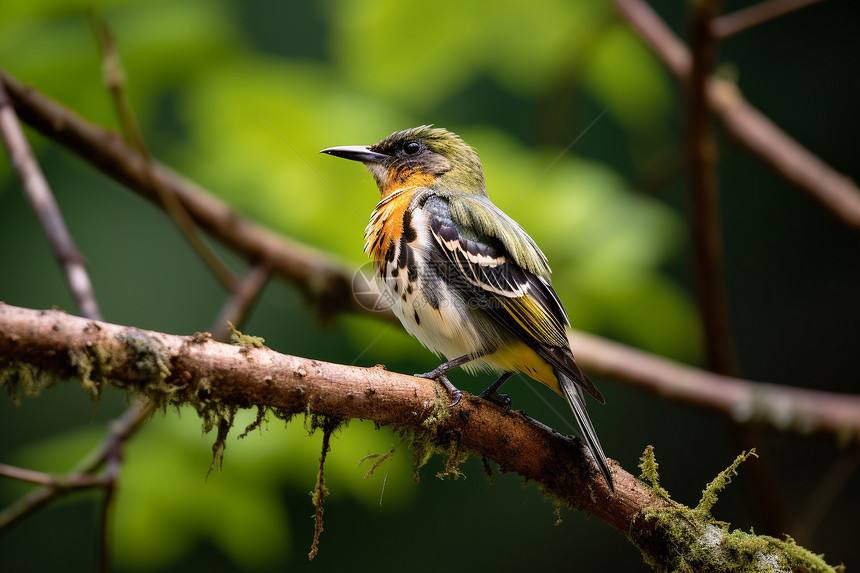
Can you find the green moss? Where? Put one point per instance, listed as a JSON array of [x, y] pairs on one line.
[[648, 465], [23, 379], [680, 539], [224, 423], [422, 449], [724, 478], [245, 340], [81, 361], [150, 372], [456, 456], [441, 411], [380, 458], [433, 440], [314, 422], [320, 491], [257, 423], [423, 444], [686, 540]]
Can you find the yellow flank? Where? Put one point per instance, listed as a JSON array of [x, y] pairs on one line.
[[535, 319], [518, 356]]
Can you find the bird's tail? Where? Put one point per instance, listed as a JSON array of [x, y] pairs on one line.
[[576, 399]]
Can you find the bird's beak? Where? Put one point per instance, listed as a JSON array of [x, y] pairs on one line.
[[356, 153]]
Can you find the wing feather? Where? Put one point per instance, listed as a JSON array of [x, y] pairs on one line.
[[478, 261]]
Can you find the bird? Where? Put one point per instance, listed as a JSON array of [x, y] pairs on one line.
[[464, 278]]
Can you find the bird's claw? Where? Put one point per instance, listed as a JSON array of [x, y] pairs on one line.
[[455, 394], [497, 398]]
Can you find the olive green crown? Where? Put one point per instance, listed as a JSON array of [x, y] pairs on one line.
[[462, 171]]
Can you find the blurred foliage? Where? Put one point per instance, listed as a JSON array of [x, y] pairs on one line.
[[221, 106], [50, 44]]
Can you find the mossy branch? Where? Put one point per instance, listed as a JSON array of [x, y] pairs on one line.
[[708, 544], [51, 346]]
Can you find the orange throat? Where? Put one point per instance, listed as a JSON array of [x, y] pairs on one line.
[[386, 222], [398, 187]]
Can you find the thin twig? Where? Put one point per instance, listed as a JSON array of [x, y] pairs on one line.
[[45, 205], [827, 492], [703, 195], [749, 126], [103, 549], [789, 409], [115, 80], [68, 482], [236, 308], [121, 429], [755, 15], [23, 474], [654, 31], [110, 475]]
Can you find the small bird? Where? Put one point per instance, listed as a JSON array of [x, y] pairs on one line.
[[464, 278]]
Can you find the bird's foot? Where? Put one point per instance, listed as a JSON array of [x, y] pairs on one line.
[[440, 376], [433, 374], [497, 398]]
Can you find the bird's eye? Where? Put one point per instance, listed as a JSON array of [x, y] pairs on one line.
[[411, 148]]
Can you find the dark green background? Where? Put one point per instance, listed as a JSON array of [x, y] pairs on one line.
[[240, 96]]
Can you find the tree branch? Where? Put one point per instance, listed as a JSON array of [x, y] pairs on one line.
[[788, 409], [747, 125], [755, 15], [72, 481], [211, 376], [45, 205], [335, 287], [703, 195]]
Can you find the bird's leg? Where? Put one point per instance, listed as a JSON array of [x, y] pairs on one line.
[[491, 394], [445, 366], [439, 375]]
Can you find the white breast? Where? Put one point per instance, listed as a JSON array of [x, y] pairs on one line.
[[443, 328]]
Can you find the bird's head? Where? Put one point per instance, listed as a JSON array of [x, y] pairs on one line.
[[423, 156]]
